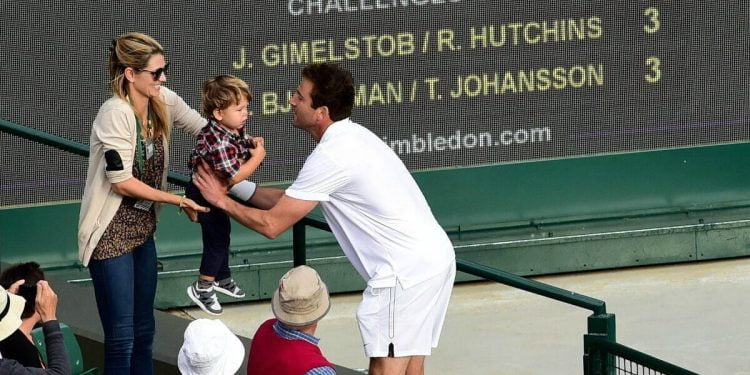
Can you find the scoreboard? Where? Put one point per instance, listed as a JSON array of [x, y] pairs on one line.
[[445, 83]]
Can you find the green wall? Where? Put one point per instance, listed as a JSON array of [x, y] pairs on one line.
[[531, 218], [592, 187]]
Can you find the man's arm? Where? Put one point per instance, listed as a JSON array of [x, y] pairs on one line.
[[265, 198], [279, 214], [57, 356], [251, 194], [270, 223]]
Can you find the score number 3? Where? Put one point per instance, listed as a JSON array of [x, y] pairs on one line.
[[652, 63], [652, 14], [654, 74]]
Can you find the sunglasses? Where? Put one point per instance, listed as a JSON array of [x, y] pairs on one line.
[[156, 73]]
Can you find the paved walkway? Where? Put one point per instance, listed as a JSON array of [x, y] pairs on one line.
[[693, 315]]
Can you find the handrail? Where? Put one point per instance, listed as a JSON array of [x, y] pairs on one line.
[[601, 326], [67, 145], [601, 329], [598, 307], [299, 251], [44, 138]]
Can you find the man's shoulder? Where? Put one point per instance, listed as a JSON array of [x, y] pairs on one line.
[[347, 135], [327, 156]]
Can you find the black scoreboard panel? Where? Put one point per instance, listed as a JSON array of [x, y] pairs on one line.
[[445, 83]]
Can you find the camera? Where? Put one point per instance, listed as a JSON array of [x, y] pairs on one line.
[[27, 291]]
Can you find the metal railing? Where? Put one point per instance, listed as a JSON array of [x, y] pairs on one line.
[[64, 144], [618, 359], [602, 354]]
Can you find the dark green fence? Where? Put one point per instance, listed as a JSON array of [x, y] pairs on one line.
[[602, 354], [607, 357], [66, 145]]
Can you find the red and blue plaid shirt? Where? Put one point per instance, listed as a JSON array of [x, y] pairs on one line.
[[223, 150]]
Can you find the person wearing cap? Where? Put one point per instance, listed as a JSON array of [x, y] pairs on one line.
[[287, 345], [377, 213], [11, 307], [210, 348]]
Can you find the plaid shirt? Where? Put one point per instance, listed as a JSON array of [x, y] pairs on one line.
[[291, 334], [224, 151]]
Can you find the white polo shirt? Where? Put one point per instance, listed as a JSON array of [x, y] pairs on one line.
[[374, 207]]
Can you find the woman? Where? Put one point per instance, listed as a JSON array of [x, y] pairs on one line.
[[128, 166]]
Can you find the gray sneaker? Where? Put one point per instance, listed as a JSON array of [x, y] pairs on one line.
[[229, 287], [205, 299]]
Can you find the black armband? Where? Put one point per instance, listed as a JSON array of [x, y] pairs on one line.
[[114, 162]]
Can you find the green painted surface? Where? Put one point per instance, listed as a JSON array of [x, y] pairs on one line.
[[602, 186], [529, 218]]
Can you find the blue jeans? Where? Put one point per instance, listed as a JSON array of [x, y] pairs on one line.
[[125, 288]]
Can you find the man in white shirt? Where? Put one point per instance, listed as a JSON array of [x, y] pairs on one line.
[[377, 213]]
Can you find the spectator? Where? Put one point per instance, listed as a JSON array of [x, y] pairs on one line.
[[287, 345], [11, 307], [210, 348], [20, 345], [125, 187]]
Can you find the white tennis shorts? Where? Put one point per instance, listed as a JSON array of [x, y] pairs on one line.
[[397, 322]]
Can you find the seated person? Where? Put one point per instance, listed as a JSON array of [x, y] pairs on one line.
[[11, 307], [20, 345], [287, 345], [210, 348]]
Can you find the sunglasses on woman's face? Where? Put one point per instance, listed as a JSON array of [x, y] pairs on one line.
[[156, 73]]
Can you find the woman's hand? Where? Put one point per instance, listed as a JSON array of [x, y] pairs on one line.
[[192, 209]]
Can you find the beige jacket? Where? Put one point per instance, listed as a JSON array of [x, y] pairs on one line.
[[114, 129]]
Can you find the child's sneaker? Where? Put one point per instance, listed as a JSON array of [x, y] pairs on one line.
[[205, 299], [229, 287]]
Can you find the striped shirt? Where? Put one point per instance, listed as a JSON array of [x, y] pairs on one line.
[[291, 334]]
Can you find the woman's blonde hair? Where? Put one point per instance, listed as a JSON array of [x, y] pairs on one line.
[[133, 50]]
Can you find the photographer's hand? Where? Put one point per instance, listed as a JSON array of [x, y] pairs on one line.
[[46, 301], [13, 289]]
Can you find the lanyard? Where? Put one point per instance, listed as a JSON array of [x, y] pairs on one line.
[[139, 151]]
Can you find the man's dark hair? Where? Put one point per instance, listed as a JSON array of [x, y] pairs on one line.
[[31, 273], [332, 87]]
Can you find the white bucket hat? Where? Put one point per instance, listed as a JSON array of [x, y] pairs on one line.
[[11, 308], [301, 298], [210, 348]]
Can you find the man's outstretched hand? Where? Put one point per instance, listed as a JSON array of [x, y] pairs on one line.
[[212, 187]]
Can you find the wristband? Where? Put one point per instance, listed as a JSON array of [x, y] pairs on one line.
[[179, 205], [243, 190]]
